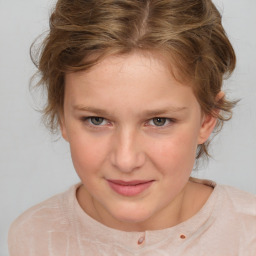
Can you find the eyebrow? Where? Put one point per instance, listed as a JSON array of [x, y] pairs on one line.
[[98, 111], [159, 112], [154, 112]]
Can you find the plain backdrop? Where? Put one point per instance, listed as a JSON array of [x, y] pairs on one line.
[[34, 166]]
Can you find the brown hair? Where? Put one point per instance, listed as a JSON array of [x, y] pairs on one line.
[[82, 32]]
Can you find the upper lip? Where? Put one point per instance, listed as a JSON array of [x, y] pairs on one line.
[[130, 183]]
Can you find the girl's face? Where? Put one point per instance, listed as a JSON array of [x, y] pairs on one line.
[[133, 131]]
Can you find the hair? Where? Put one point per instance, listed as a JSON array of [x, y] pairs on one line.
[[188, 32]]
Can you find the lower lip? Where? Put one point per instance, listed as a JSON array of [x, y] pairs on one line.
[[130, 190]]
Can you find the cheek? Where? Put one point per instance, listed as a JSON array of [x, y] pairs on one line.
[[177, 152], [87, 154]]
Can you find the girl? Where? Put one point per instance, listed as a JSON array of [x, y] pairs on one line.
[[135, 88]]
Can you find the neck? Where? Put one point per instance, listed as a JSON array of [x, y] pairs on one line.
[[186, 204]]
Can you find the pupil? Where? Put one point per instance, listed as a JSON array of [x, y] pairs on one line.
[[159, 121], [97, 120]]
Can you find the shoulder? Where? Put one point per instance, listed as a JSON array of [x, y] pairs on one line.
[[35, 225], [241, 202], [40, 212], [239, 206], [237, 214]]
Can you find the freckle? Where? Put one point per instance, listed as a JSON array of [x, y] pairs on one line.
[[182, 236]]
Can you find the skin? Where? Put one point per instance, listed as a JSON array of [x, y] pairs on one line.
[[129, 91]]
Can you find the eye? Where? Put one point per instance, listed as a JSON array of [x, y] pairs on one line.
[[96, 120], [160, 121]]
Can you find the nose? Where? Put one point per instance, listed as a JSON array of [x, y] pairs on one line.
[[127, 154]]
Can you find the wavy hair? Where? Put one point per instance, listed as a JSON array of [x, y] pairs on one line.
[[188, 32]]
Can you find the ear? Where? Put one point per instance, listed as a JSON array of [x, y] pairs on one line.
[[209, 122], [63, 127], [207, 126]]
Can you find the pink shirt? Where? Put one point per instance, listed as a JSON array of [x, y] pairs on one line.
[[225, 226]]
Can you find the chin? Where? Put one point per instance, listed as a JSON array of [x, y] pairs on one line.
[[132, 216]]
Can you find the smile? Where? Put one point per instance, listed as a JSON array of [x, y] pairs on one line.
[[130, 188]]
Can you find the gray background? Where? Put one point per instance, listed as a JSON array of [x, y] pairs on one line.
[[34, 166]]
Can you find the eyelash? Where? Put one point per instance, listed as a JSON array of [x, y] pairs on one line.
[[168, 122], [89, 122]]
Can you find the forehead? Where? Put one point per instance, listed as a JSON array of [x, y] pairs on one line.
[[133, 79], [153, 63]]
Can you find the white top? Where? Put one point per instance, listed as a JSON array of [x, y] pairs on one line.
[[225, 226]]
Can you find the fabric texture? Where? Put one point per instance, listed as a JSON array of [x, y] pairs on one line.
[[224, 226]]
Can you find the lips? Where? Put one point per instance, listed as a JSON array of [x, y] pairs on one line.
[[129, 188]]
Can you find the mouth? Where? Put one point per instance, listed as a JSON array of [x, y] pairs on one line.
[[129, 188]]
